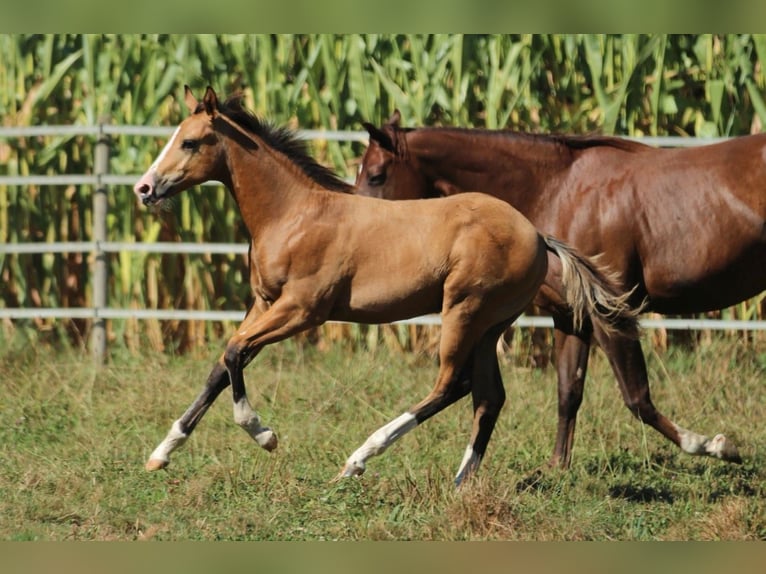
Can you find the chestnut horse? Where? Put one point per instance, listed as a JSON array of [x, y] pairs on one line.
[[686, 226], [320, 253]]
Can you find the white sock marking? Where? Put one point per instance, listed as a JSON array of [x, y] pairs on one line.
[[469, 463], [246, 417], [379, 441], [693, 443], [172, 441]]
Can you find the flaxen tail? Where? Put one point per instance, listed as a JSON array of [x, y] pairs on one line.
[[592, 291]]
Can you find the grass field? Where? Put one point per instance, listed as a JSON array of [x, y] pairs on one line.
[[73, 441]]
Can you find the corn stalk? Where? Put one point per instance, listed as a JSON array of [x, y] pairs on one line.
[[631, 84]]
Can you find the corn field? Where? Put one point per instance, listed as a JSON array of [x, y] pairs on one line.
[[679, 85]]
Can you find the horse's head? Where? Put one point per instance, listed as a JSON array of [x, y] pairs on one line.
[[193, 155], [387, 170]]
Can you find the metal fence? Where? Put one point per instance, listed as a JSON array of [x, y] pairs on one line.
[[99, 247]]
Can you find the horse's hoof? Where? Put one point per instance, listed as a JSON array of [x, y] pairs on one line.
[[724, 449], [348, 471], [156, 464], [267, 440], [557, 462]]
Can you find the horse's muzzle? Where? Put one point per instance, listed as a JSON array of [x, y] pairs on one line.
[[148, 198], [145, 188], [145, 194]]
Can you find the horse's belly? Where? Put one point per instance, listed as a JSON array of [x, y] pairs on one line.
[[701, 288], [383, 302]]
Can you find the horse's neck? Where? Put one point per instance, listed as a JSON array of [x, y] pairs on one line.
[[268, 187], [482, 160]]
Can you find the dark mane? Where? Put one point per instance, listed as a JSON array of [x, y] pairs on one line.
[[285, 141], [575, 142], [597, 140]]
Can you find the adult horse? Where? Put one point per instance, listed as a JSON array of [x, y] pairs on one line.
[[318, 254], [686, 226]]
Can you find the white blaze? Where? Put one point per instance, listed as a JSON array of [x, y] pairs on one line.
[[165, 150]]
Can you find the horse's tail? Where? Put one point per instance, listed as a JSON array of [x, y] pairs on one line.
[[590, 290]]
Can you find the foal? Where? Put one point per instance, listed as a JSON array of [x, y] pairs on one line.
[[319, 253]]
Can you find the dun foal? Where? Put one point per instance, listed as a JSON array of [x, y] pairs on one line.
[[320, 253]]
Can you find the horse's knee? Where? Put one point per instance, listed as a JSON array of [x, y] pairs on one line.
[[232, 356], [464, 386], [455, 391]]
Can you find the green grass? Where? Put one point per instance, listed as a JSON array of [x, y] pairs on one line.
[[73, 442]]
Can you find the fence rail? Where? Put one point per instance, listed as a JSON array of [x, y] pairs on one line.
[[99, 247]]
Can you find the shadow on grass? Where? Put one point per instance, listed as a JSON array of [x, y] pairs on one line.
[[639, 493], [670, 477], [541, 480], [741, 480], [667, 477], [548, 481]]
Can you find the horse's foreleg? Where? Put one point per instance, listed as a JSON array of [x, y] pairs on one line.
[[217, 381], [629, 366], [280, 321], [244, 414], [571, 366]]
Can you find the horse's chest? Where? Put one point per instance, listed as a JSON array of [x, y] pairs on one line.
[[267, 276]]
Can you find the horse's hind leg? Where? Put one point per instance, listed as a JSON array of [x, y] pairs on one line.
[[452, 383], [377, 443], [572, 352], [629, 366], [217, 381], [488, 398]]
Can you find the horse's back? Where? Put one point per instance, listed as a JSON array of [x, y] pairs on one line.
[[736, 166], [472, 225], [494, 216], [404, 258], [707, 202], [490, 233]]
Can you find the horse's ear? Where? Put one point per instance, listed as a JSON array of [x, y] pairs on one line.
[[395, 118], [191, 101], [379, 136], [210, 101]]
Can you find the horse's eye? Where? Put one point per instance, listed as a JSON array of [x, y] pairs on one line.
[[377, 178], [190, 145]]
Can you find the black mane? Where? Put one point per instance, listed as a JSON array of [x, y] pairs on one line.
[[284, 141]]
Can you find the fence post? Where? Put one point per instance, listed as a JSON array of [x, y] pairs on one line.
[[100, 264]]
